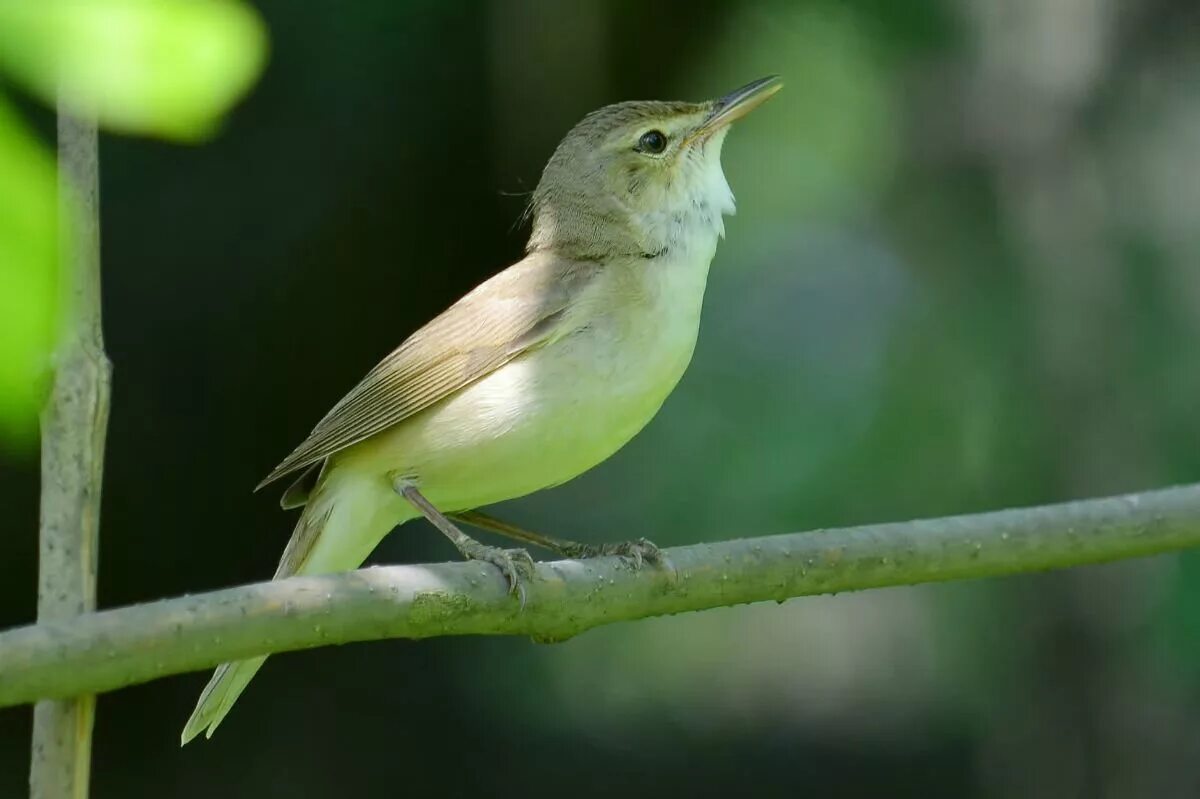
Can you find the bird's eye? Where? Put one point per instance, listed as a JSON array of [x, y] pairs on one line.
[[652, 141]]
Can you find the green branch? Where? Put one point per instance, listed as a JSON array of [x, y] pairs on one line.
[[74, 422], [119, 647]]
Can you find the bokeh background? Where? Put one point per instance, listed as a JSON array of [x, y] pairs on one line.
[[964, 275]]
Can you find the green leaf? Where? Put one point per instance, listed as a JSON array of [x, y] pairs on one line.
[[163, 67], [28, 275]]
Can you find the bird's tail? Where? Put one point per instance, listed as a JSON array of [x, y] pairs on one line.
[[339, 527], [219, 695]]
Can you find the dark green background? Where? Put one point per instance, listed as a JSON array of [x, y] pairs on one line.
[[964, 275]]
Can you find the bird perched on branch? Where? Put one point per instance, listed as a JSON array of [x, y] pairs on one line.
[[537, 375]]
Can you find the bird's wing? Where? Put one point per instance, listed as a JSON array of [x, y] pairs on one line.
[[518, 310]]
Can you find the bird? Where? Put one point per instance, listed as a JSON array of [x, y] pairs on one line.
[[538, 374]]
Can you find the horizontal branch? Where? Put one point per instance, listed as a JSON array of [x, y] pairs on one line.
[[107, 650]]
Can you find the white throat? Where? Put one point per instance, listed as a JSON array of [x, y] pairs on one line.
[[689, 214]]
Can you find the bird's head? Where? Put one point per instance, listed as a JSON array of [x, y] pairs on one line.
[[640, 178]]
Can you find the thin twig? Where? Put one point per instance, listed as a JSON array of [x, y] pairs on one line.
[[120, 647], [74, 422]]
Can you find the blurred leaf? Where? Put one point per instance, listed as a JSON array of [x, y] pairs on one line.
[[28, 264], [164, 67]]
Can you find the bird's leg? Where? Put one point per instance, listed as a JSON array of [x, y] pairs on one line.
[[514, 564], [494, 525], [637, 551]]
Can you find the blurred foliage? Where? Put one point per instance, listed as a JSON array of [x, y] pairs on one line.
[[159, 67], [163, 67], [28, 262]]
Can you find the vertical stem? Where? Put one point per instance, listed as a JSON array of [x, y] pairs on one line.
[[74, 421]]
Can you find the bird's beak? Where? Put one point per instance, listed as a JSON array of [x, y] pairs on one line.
[[737, 104]]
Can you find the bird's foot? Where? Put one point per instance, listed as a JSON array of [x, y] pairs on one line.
[[638, 552], [515, 564]]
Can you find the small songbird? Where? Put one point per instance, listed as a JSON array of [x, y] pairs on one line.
[[537, 375]]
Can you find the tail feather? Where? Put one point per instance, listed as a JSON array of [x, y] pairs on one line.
[[336, 532], [226, 685]]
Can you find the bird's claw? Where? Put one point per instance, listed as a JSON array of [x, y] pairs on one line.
[[515, 564], [638, 552]]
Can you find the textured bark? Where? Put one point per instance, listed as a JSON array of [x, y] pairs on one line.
[[74, 421], [120, 647]]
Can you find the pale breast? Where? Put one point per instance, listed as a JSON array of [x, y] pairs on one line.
[[559, 410]]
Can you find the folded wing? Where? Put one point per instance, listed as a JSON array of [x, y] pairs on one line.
[[518, 310]]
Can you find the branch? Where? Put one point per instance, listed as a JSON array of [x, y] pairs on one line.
[[120, 647], [74, 421]]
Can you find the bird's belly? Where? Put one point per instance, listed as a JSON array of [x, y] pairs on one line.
[[538, 421]]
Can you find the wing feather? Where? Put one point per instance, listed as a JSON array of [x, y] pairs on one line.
[[518, 310]]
